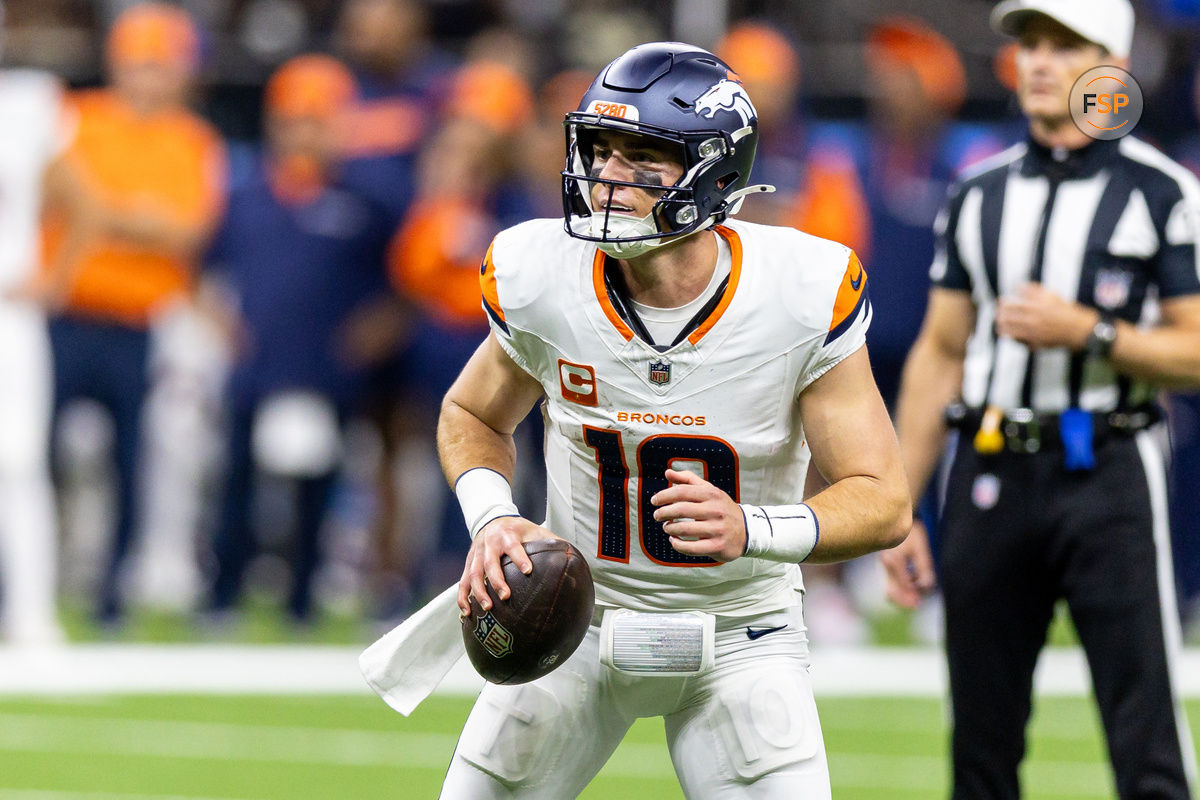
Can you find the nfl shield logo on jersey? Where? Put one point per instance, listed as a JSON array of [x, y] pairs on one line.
[[1112, 287], [660, 372]]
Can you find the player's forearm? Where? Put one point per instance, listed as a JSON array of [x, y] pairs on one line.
[[465, 442], [931, 380], [859, 515], [1167, 356]]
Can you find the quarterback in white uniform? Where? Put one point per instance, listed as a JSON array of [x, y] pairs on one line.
[[688, 366], [30, 105]]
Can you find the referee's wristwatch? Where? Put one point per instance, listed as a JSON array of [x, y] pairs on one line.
[[1100, 341]]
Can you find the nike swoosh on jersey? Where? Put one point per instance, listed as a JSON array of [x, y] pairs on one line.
[[856, 282], [758, 633]]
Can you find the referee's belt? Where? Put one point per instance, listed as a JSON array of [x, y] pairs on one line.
[[1028, 431]]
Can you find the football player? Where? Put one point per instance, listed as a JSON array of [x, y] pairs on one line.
[[688, 366]]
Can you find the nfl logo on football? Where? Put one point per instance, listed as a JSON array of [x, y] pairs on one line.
[[493, 637], [660, 372]]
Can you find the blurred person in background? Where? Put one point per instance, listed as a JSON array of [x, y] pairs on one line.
[[466, 193], [906, 156], [399, 72], [30, 137], [129, 207], [401, 75], [541, 143], [1065, 293], [296, 262], [817, 189]]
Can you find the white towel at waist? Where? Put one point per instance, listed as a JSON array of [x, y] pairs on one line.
[[407, 663]]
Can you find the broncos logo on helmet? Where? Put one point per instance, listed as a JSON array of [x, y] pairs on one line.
[[726, 95]]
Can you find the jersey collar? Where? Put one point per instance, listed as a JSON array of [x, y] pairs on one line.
[[1077, 164], [615, 309]]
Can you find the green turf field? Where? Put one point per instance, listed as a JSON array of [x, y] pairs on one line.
[[187, 748]]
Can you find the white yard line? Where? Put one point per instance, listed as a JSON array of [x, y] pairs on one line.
[[303, 669]]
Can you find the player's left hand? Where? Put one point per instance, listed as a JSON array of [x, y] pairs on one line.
[[1037, 317], [692, 507]]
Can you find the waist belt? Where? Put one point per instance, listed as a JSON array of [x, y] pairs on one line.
[[1028, 431]]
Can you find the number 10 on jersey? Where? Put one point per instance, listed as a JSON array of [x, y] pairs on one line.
[[655, 454]]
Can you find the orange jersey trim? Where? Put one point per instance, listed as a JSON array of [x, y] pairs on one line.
[[735, 274], [487, 284], [850, 292], [602, 296]]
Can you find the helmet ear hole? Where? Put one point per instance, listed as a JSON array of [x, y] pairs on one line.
[[727, 180], [681, 103]]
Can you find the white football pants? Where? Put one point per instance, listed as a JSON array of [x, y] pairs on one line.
[[28, 527], [745, 730]]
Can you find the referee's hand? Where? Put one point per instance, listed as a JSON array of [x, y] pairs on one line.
[[909, 567], [1037, 317]]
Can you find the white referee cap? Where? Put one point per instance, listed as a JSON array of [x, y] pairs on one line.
[[1108, 23]]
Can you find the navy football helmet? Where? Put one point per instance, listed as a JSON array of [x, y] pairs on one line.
[[693, 102]]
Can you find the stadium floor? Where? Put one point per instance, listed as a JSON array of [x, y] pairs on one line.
[[187, 722]]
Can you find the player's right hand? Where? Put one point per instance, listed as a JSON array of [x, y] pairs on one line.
[[909, 567], [503, 536]]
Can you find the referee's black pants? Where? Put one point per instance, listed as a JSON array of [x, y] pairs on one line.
[[1019, 532]]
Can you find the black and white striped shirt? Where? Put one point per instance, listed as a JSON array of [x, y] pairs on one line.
[[1114, 225]]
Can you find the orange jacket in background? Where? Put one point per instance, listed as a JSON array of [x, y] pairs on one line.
[[172, 162], [434, 259], [831, 203]]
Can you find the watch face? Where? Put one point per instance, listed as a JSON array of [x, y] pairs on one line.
[[1106, 332]]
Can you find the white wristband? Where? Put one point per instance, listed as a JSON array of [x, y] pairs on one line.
[[781, 533], [484, 495]]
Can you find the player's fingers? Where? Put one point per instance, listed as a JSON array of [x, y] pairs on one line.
[[519, 557], [690, 527], [921, 569], [675, 493], [903, 596], [900, 587], [684, 493], [684, 477], [495, 576], [464, 589], [475, 579], [682, 510], [690, 545]]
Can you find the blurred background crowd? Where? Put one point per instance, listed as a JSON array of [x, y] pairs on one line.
[[257, 252]]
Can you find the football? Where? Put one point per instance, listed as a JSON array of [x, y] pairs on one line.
[[540, 624]]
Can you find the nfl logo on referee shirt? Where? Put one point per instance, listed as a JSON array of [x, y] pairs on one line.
[[660, 372], [492, 635], [1112, 288]]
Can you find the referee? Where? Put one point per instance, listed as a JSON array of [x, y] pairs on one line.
[[1066, 289]]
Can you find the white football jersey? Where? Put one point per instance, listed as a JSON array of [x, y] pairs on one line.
[[721, 402], [30, 136]]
